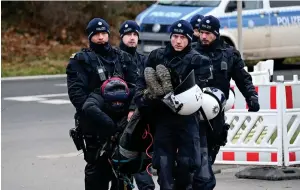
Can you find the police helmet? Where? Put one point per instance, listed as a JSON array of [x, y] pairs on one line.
[[214, 101], [186, 99]]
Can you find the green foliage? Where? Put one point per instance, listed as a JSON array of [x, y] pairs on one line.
[[38, 37]]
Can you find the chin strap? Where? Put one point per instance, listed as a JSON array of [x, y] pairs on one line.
[[205, 118]]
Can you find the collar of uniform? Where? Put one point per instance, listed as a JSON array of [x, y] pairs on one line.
[[109, 58], [215, 45], [101, 49], [130, 50]]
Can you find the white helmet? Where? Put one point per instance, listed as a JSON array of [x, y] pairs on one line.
[[186, 99], [214, 101], [230, 101]]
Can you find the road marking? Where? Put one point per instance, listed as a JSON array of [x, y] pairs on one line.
[[28, 98], [44, 99], [25, 98], [55, 101], [63, 84], [56, 156]]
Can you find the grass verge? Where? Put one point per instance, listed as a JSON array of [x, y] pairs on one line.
[[39, 67]]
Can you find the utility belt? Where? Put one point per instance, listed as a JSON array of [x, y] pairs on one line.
[[90, 143], [83, 141]]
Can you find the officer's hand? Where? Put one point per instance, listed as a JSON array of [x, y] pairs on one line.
[[253, 104], [115, 137]]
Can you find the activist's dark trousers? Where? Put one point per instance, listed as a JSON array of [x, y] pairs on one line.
[[176, 140], [98, 173], [144, 181]]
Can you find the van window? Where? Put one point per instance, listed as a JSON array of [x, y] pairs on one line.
[[194, 3], [247, 5], [284, 3]]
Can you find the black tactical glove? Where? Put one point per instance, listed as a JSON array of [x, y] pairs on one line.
[[224, 134], [253, 104]]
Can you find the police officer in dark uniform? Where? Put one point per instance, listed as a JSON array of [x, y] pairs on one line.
[[86, 72], [227, 64], [129, 33], [195, 21], [172, 131]]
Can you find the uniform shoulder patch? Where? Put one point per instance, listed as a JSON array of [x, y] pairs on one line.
[[73, 55]]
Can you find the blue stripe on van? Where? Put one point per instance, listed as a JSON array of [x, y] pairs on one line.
[[268, 19], [174, 13], [158, 15]]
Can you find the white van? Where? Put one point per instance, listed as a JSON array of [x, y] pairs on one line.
[[271, 29]]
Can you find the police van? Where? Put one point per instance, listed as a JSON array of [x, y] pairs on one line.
[[271, 29]]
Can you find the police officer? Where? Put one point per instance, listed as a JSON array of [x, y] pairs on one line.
[[129, 33], [86, 72], [172, 131], [227, 64], [195, 21]]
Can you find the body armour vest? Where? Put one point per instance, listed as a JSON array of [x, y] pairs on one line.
[[100, 69], [221, 66]]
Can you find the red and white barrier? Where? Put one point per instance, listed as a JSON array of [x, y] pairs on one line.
[[267, 94], [261, 77], [270, 136], [267, 97]]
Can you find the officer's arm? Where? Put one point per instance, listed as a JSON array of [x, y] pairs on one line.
[[140, 98], [144, 61], [77, 82], [242, 78], [202, 68], [131, 78], [92, 110]]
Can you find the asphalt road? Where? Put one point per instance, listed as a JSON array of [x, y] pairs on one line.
[[37, 152]]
